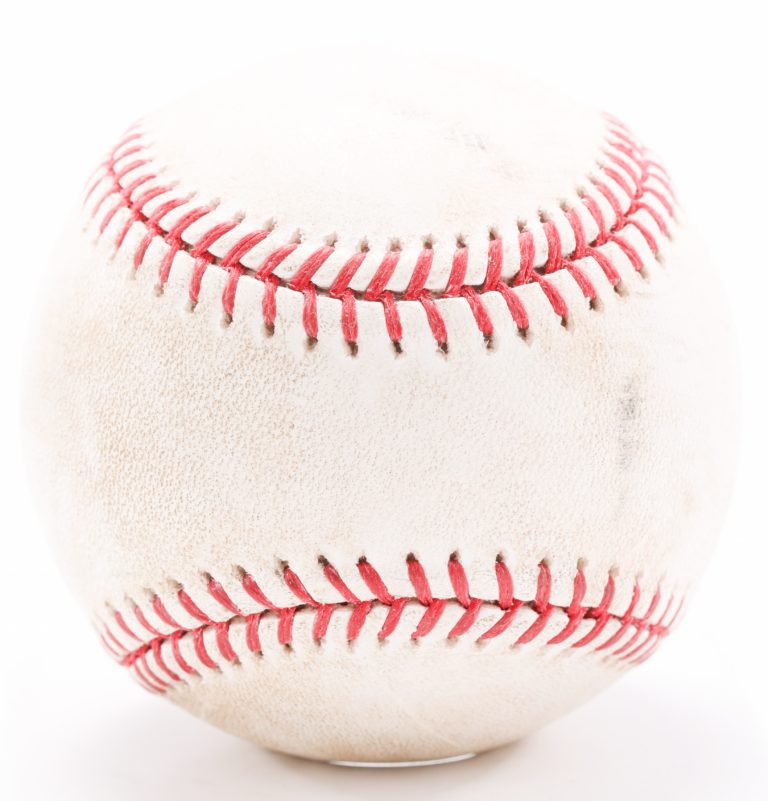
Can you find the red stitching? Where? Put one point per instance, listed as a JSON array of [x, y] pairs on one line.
[[105, 643], [349, 317], [140, 616], [252, 633], [392, 319], [297, 588], [357, 619], [374, 582], [269, 303], [200, 649], [420, 275], [418, 578], [430, 618], [393, 618], [340, 286], [382, 276], [191, 608], [285, 625], [322, 620], [157, 652], [110, 637], [625, 169], [252, 588], [633, 639], [177, 655], [458, 271], [148, 678], [124, 626], [220, 594], [336, 582], [222, 641], [459, 581]]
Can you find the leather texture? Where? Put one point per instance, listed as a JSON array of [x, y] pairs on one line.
[[169, 447]]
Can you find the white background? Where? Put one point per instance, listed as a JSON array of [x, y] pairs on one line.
[[690, 724]]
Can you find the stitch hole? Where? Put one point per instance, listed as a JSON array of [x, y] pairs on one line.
[[331, 240], [461, 241], [595, 304], [522, 225], [310, 343], [428, 242], [620, 289], [130, 602], [397, 347], [226, 320], [149, 593], [493, 234], [352, 348]]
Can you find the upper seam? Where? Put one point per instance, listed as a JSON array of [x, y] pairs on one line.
[[629, 186]]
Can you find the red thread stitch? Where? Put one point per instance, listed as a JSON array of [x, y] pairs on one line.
[[625, 169], [158, 660]]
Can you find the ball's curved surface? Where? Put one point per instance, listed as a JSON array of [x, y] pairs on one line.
[[381, 413]]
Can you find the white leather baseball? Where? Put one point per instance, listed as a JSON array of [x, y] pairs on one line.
[[381, 410]]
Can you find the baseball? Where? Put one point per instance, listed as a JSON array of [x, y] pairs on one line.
[[381, 410]]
